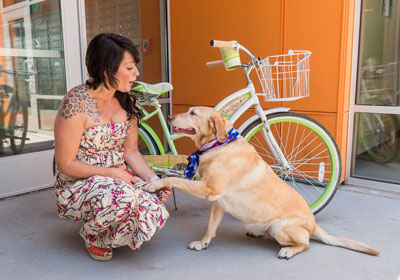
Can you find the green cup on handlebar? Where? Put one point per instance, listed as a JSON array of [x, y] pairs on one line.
[[230, 57]]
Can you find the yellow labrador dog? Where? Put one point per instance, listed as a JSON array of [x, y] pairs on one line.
[[238, 181]]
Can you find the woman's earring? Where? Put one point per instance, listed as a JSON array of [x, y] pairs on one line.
[[91, 80]]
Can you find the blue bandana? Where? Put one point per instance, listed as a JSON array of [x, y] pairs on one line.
[[194, 158]]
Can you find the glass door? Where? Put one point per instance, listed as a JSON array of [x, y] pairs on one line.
[[34, 77], [375, 109]]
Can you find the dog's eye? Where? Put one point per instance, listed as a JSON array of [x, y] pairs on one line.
[[192, 113]]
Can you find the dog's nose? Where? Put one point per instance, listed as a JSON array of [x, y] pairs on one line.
[[171, 117]]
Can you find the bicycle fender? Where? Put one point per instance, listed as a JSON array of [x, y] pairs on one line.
[[266, 112], [155, 137]]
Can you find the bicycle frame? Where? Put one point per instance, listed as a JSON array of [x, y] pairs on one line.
[[241, 101], [252, 100], [248, 94], [158, 112]]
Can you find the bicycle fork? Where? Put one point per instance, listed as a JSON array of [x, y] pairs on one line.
[[283, 164]]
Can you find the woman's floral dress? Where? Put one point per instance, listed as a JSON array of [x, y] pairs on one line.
[[113, 213]]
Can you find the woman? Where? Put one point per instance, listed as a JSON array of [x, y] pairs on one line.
[[96, 150]]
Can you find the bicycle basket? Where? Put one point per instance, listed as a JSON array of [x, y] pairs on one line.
[[285, 77], [376, 78]]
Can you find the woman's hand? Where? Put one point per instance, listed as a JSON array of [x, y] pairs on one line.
[[121, 173]]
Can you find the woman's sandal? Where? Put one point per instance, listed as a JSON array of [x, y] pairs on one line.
[[99, 254]]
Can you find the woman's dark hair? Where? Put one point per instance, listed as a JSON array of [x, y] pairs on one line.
[[104, 55]]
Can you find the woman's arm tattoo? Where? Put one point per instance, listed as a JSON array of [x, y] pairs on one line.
[[77, 101]]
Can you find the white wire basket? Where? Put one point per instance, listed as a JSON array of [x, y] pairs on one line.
[[377, 78], [285, 77]]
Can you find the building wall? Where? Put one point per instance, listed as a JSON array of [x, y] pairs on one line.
[[265, 28], [150, 28], [151, 62]]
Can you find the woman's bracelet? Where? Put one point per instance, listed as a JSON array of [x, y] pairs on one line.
[[154, 178]]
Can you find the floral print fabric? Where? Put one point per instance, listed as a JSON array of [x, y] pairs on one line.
[[113, 213]]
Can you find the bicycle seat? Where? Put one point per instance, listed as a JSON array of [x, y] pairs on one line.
[[151, 90]]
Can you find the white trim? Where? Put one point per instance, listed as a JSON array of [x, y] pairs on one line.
[[12, 7], [376, 109], [52, 97], [83, 37], [29, 53], [72, 44], [26, 173], [373, 184]]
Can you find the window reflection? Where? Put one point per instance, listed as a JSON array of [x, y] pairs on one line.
[[377, 147], [379, 54], [32, 74]]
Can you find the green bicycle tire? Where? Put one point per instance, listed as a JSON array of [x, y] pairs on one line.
[[313, 155], [146, 143]]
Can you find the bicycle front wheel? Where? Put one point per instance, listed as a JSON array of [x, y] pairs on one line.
[[310, 150]]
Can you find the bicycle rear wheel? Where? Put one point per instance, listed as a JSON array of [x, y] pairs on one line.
[[146, 143], [18, 126], [310, 150]]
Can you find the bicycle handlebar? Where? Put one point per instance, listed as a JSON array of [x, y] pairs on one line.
[[226, 44], [223, 44], [214, 63]]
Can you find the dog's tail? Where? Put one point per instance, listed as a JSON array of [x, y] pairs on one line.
[[324, 237]]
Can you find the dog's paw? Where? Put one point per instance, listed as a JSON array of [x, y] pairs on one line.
[[153, 186], [286, 253], [197, 245]]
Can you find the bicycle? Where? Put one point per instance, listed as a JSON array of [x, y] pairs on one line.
[[299, 149], [16, 111]]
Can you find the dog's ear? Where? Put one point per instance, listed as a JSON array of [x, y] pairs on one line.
[[219, 124]]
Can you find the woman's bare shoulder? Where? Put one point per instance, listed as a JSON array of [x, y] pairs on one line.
[[78, 101]]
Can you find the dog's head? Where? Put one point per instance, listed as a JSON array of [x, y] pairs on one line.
[[202, 124]]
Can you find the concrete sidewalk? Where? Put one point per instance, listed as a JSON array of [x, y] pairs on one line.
[[36, 244]]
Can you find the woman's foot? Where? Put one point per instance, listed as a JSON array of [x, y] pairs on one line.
[[99, 254]]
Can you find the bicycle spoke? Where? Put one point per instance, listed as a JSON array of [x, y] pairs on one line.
[[260, 146], [308, 149], [309, 143], [312, 158], [279, 140], [300, 189]]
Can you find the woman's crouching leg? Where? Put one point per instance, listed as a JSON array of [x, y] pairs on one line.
[[123, 215]]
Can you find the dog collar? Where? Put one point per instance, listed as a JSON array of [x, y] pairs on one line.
[[194, 158]]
